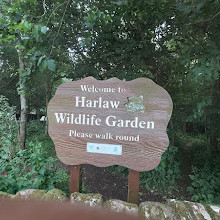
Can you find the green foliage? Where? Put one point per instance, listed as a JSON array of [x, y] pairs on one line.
[[119, 169], [205, 174], [35, 129], [205, 185], [8, 126], [163, 177], [84, 189], [36, 134], [63, 181], [51, 65], [43, 62], [192, 142], [29, 168]]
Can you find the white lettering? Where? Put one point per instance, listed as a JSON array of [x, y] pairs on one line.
[[60, 117], [82, 101], [114, 104], [80, 119], [86, 88], [150, 123], [99, 103], [112, 123], [73, 133]]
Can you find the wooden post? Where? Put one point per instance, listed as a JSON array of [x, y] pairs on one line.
[[133, 187], [74, 178]]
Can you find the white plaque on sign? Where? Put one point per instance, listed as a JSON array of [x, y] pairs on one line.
[[104, 148]]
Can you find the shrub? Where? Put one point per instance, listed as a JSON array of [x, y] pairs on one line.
[[29, 168], [35, 128], [8, 126], [163, 177], [118, 169], [205, 182], [205, 175], [36, 134]]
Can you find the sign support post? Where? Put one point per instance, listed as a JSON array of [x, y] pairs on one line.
[[133, 187], [74, 178]]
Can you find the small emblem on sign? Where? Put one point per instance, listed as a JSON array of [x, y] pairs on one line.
[[135, 104], [104, 148]]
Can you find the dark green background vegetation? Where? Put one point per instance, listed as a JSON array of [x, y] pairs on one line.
[[175, 43]]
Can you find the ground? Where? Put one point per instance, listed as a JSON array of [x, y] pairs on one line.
[[115, 185], [112, 185]]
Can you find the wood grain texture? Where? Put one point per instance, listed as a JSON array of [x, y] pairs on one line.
[[74, 179], [142, 155], [133, 187]]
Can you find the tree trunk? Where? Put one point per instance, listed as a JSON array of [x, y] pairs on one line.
[[23, 102], [172, 132], [48, 95], [46, 125], [183, 126], [215, 119], [38, 114]]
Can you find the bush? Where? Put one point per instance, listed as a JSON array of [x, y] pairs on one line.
[[205, 180], [163, 177], [119, 169], [8, 126], [35, 128], [29, 168], [205, 175], [36, 134]]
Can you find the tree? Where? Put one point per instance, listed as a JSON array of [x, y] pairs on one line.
[[8, 77], [20, 30], [175, 43]]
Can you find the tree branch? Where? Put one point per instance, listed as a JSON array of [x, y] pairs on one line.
[[61, 22]]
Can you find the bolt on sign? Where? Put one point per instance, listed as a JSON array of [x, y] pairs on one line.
[[110, 122]]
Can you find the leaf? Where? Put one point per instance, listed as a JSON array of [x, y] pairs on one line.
[[44, 29], [51, 187], [43, 65], [36, 29], [210, 196], [6, 149], [42, 171], [5, 156], [195, 184], [163, 164], [195, 198], [190, 189], [119, 3], [192, 177], [108, 17], [27, 25], [51, 65], [40, 60], [88, 24], [91, 18], [17, 17]]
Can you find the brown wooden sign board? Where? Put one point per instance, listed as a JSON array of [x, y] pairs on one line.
[[110, 122]]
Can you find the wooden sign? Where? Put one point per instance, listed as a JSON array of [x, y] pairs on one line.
[[110, 122]]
